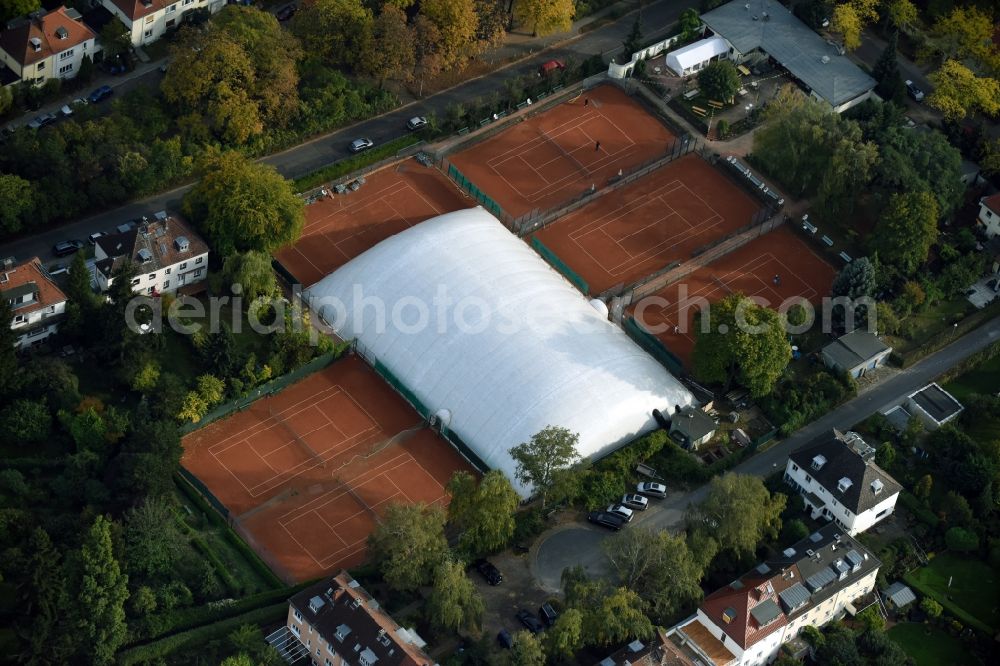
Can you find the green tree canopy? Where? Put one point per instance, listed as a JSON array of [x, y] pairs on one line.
[[454, 603], [618, 618], [959, 92], [719, 80], [25, 422], [338, 31], [689, 23], [540, 460], [18, 202], [565, 637], [408, 544], [855, 280], [242, 205], [101, 595], [914, 161], [253, 272], [484, 512], [12, 9], [906, 231], [886, 72], [527, 650], [743, 342], [153, 541], [738, 513]]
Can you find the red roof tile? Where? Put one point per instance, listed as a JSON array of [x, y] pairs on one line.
[[993, 203], [136, 9], [30, 276], [55, 32], [739, 599]]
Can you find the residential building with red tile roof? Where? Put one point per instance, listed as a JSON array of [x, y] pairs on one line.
[[989, 215], [38, 305], [815, 581], [660, 650], [45, 46], [167, 253], [147, 20]]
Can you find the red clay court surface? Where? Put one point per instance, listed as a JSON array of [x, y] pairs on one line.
[[306, 514], [749, 269], [342, 227], [549, 158], [644, 226]]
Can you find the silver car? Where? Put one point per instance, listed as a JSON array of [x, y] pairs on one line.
[[359, 145]]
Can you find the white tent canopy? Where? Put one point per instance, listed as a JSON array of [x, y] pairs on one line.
[[517, 349], [693, 56]]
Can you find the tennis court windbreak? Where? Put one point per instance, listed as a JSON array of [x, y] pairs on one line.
[[480, 328]]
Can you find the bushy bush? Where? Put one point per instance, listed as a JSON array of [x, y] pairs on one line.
[[794, 403]]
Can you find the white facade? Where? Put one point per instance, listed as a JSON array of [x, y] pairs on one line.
[[163, 280], [493, 340], [831, 508], [694, 57], [36, 326], [47, 46], [988, 219], [147, 21]]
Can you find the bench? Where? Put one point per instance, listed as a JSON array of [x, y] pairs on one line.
[[828, 241], [715, 105], [698, 110], [691, 94]]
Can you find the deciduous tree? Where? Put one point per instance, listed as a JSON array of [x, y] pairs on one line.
[[454, 603], [965, 32], [958, 92], [617, 618], [25, 422], [101, 595], [902, 13], [906, 231], [913, 161], [850, 19], [408, 544], [544, 17], [152, 539], [527, 650], [12, 9], [738, 512], [742, 342], [253, 273], [394, 55], [565, 637], [720, 80], [338, 31], [539, 461], [689, 23], [18, 201], [484, 511], [456, 23], [243, 205]]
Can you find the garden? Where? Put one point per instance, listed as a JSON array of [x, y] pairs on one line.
[[965, 586], [929, 645]]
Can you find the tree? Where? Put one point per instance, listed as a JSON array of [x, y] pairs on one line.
[[484, 512], [565, 637], [493, 17], [538, 462], [454, 603], [253, 272], [617, 618], [527, 650], [148, 458], [742, 342], [658, 566], [922, 489], [456, 24], [211, 389], [545, 17], [243, 205], [956, 510], [633, 42], [885, 454], [8, 356], [855, 280], [961, 540], [48, 598], [958, 92], [906, 231], [408, 544], [25, 422], [193, 408], [152, 539], [115, 38], [394, 55], [689, 24], [902, 14], [738, 512], [886, 72], [720, 80], [850, 19], [912, 161], [12, 9], [101, 596], [965, 32], [931, 607], [337, 31], [19, 201]]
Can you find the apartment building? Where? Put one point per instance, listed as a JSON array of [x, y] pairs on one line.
[[147, 20], [167, 253], [817, 580], [337, 622], [839, 481], [989, 215], [37, 303], [46, 45]]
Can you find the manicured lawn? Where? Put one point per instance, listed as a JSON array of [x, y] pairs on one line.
[[929, 645], [981, 379], [975, 586]]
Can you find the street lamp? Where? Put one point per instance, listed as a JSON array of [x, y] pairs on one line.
[[749, 108]]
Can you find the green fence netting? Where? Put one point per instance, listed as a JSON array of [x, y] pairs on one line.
[[401, 388], [473, 191], [203, 490], [560, 265], [653, 346]]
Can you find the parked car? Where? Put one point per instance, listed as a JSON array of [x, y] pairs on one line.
[[92, 238], [634, 501], [286, 12], [358, 145], [914, 91], [415, 123], [651, 489], [622, 511], [505, 640], [66, 247], [58, 269], [548, 614], [489, 571], [551, 66], [43, 120], [604, 519], [100, 94], [530, 622]]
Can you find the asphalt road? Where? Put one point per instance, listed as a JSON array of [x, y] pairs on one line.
[[579, 544], [319, 152]]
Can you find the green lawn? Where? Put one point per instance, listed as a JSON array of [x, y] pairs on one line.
[[981, 379], [929, 645], [975, 586], [934, 321]]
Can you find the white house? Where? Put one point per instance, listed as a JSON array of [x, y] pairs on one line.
[[745, 623], [856, 353], [989, 215], [37, 303], [43, 46], [147, 20], [840, 481], [166, 252]]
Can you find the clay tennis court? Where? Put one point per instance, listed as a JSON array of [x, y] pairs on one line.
[[642, 227], [306, 472], [547, 159], [750, 269], [342, 226]]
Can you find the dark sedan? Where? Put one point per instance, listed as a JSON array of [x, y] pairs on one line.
[[66, 248], [530, 621], [605, 519], [489, 571]]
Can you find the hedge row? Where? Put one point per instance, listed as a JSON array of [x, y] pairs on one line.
[[946, 336], [352, 164], [221, 570], [919, 510], [199, 636], [160, 625], [234, 540]]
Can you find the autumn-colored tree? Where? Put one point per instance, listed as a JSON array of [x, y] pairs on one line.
[[958, 92], [850, 19], [902, 13], [964, 32], [394, 54], [544, 17], [338, 31], [456, 23]]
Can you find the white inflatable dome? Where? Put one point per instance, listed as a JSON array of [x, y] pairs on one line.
[[478, 326]]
